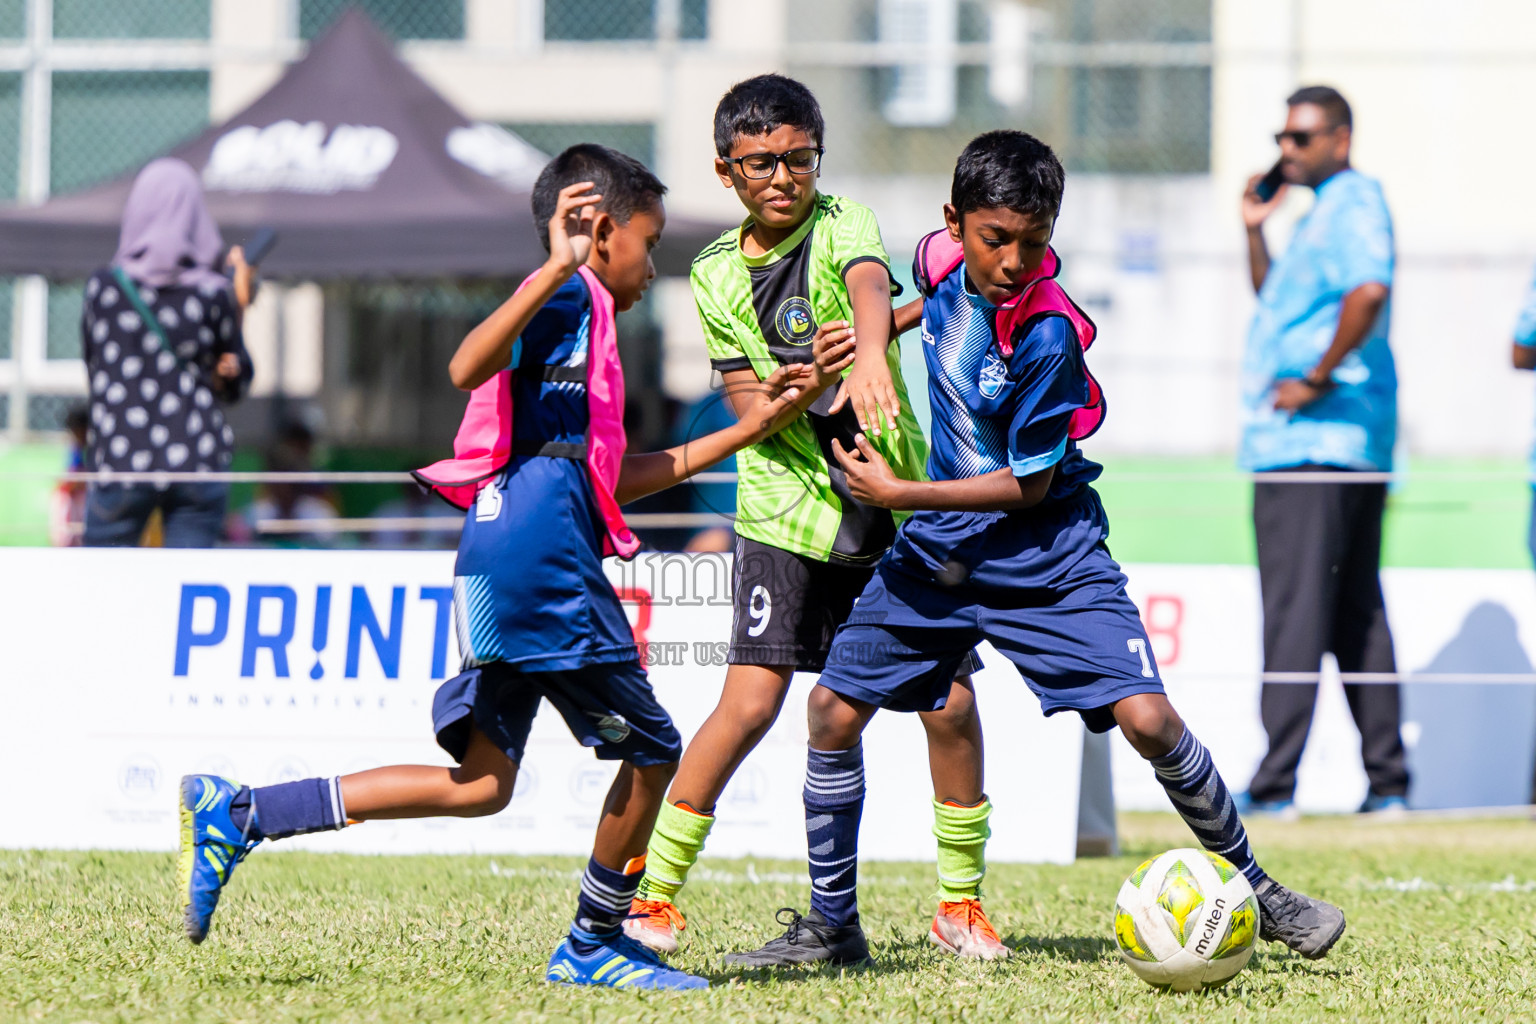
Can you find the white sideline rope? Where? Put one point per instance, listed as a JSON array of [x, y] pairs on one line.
[[452, 524], [393, 477]]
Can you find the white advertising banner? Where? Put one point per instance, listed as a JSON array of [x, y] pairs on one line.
[[1470, 743], [124, 669], [127, 668]]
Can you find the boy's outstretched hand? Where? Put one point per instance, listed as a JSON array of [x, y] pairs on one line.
[[870, 478], [870, 389], [570, 229]]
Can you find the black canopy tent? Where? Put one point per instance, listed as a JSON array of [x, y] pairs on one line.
[[360, 165], [370, 177]]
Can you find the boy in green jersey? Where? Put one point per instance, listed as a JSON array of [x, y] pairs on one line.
[[800, 270]]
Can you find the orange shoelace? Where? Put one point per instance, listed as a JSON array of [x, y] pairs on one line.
[[970, 912]]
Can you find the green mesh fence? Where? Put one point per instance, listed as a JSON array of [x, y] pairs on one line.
[[636, 140], [47, 412], [618, 20], [131, 19], [13, 19], [65, 302], [400, 19], [106, 123]]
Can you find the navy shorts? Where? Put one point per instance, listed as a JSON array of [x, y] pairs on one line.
[[607, 706], [1041, 586], [787, 608]]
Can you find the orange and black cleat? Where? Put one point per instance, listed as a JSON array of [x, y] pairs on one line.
[[962, 928], [655, 924]]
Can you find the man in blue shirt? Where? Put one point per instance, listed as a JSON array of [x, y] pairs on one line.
[[1524, 357], [1320, 395]]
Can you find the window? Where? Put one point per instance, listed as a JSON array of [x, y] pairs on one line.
[[612, 20], [106, 123], [400, 19], [129, 19], [1149, 113], [10, 166], [636, 140]]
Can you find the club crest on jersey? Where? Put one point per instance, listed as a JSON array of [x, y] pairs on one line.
[[993, 373], [794, 321]]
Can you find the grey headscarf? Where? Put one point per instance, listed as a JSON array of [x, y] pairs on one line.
[[168, 235]]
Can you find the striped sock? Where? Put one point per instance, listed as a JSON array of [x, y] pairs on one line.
[[292, 808], [834, 803], [1202, 799], [962, 833], [675, 844], [602, 906]]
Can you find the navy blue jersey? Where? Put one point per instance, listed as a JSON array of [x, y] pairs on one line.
[[557, 335], [529, 588], [992, 412]]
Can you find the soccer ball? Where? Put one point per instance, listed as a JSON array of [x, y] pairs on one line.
[[1186, 920]]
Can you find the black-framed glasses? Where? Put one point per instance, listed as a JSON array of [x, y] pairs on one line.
[[763, 165], [1301, 139]]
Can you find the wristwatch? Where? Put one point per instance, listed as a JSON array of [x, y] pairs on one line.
[[1318, 382]]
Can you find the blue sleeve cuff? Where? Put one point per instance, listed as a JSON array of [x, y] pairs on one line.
[[1030, 466]]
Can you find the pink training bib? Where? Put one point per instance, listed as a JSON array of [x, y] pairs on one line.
[[483, 444]]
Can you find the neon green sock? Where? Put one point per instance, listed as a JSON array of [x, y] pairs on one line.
[[675, 844], [962, 833]]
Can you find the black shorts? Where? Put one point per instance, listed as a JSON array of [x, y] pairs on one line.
[[786, 608]]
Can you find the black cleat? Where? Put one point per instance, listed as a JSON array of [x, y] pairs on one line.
[[807, 939], [1308, 926]]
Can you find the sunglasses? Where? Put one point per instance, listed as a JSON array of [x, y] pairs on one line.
[[1301, 139], [763, 165]]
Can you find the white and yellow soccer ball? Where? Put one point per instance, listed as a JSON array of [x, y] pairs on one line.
[[1186, 920]]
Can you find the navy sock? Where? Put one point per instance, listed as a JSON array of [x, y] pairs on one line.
[[1201, 797], [602, 906], [290, 809], [834, 803]]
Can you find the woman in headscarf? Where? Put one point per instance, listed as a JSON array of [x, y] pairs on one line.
[[163, 349]]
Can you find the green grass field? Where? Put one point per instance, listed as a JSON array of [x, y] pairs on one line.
[[1442, 928]]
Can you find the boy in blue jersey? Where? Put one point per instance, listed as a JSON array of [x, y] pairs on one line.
[[1006, 543], [536, 617]]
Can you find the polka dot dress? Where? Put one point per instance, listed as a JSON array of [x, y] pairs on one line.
[[153, 408]]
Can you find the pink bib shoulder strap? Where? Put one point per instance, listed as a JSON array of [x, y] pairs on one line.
[[938, 255]]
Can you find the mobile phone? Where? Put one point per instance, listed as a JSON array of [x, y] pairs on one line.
[[1270, 183], [260, 244]]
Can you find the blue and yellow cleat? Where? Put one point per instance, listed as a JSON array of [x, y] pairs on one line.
[[211, 846], [619, 963]]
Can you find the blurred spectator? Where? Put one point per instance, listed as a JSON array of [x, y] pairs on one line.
[[414, 503], [1320, 395], [1525, 359], [291, 501], [66, 508], [161, 337]]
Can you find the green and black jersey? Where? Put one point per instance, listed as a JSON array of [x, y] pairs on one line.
[[762, 312]]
